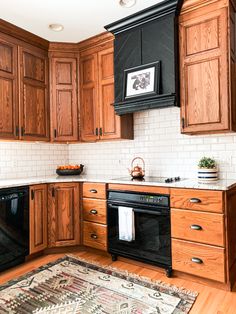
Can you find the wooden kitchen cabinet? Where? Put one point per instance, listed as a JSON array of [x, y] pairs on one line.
[[34, 113], [38, 218], [9, 120], [207, 74], [97, 116], [64, 106], [63, 214]]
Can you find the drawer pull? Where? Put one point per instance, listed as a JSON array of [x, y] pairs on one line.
[[196, 227], [93, 211], [93, 191], [197, 260], [195, 200], [94, 236]]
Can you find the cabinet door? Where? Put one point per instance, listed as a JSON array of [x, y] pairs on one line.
[[204, 71], [64, 99], [109, 121], [38, 218], [89, 121], [34, 95], [63, 214], [8, 90]]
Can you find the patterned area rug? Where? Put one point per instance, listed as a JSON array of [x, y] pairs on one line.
[[70, 286]]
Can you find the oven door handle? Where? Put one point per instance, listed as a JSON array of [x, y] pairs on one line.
[[149, 212]]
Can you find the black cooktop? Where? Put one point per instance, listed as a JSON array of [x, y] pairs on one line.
[[151, 179]]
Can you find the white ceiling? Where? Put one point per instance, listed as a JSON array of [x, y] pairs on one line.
[[81, 18]]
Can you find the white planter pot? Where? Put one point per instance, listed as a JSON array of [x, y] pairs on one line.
[[206, 175]]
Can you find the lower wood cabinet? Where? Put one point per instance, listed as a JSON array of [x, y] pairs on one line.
[[199, 259], [63, 214], [38, 218], [94, 209]]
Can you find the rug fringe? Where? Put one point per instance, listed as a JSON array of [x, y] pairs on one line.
[[135, 276]]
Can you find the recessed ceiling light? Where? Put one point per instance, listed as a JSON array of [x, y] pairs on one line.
[[127, 3], [56, 27]]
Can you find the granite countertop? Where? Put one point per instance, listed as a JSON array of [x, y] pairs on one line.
[[222, 185]]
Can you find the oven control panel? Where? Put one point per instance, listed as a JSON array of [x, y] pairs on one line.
[[154, 199]]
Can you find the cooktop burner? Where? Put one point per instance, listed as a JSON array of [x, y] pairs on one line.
[[152, 179]]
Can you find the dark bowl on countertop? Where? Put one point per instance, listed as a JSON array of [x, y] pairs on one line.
[[70, 172]]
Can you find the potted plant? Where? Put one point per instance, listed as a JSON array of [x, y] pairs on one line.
[[207, 170]]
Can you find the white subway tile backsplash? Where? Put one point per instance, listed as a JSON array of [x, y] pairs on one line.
[[165, 150]]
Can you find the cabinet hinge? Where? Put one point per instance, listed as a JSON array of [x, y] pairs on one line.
[[96, 131], [100, 131], [55, 133], [183, 123], [32, 195], [17, 130], [53, 192]]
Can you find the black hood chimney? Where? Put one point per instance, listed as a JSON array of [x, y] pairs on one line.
[[146, 39]]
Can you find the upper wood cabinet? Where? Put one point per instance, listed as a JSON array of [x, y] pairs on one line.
[[97, 116], [34, 113], [38, 218], [9, 119], [64, 106], [24, 103], [63, 214], [207, 78]]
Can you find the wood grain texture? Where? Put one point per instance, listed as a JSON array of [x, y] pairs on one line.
[[9, 119], [95, 235], [213, 259], [209, 201], [95, 210], [38, 218], [138, 188], [212, 226], [89, 112], [94, 190], [204, 78], [34, 112], [63, 214], [64, 105]]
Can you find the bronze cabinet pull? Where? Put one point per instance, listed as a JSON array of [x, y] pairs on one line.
[[196, 260], [195, 200], [196, 227], [93, 211], [93, 191], [94, 236]]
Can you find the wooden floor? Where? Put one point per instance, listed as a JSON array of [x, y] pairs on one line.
[[209, 300]]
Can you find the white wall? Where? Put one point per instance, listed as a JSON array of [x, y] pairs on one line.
[[158, 140], [21, 159]]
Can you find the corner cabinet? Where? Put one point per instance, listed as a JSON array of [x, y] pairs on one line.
[[38, 218], [207, 78], [98, 120], [63, 215], [64, 104]]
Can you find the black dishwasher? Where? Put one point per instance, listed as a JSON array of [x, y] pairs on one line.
[[14, 226]]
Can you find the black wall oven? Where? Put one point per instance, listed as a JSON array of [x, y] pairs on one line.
[[151, 242], [14, 226]]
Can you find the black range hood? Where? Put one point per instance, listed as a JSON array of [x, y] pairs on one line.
[[144, 38]]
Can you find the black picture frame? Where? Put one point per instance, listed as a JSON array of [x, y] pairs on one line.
[[138, 79]]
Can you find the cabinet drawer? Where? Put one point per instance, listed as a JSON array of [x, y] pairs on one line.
[[94, 190], [197, 226], [210, 201], [95, 210], [199, 259], [95, 235]]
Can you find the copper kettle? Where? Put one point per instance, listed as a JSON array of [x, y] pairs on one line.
[[137, 172]]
